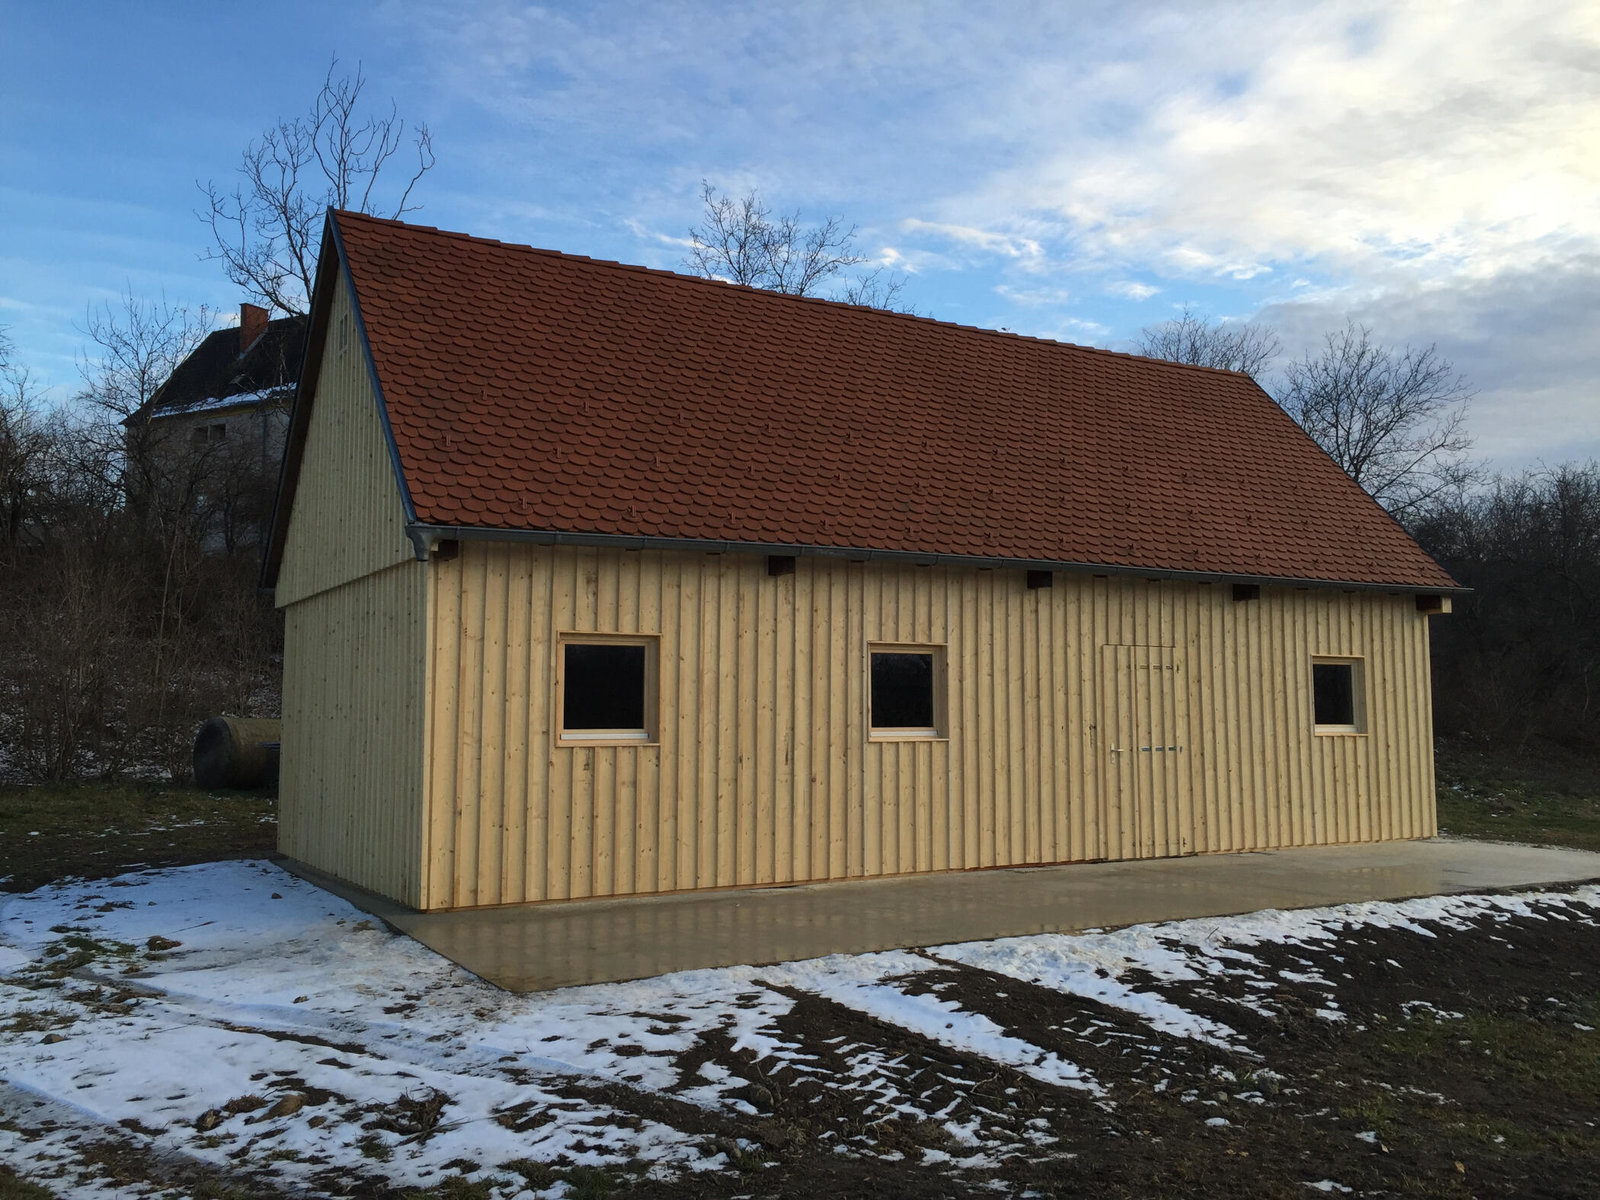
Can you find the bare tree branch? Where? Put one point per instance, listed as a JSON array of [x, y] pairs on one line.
[[267, 229], [1195, 339], [740, 241], [877, 288], [1394, 420], [25, 445], [1520, 659], [137, 345]]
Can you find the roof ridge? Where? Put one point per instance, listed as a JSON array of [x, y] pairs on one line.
[[702, 280]]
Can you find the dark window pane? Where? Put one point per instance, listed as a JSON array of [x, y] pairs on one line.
[[902, 691], [603, 687], [1333, 688]]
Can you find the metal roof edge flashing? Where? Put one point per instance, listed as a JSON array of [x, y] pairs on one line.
[[372, 372], [311, 352], [299, 419]]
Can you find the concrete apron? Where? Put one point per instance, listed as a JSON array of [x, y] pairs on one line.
[[532, 947]]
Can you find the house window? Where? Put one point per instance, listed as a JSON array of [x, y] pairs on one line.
[[607, 688], [201, 434], [1338, 697], [907, 691]]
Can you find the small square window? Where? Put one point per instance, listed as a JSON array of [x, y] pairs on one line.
[[607, 688], [907, 691], [1337, 700]]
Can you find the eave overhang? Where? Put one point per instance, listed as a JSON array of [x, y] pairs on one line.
[[425, 538]]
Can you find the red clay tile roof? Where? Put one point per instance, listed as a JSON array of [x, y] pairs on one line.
[[528, 389]]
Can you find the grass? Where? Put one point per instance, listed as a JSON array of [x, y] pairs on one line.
[[50, 832], [14, 1187], [1548, 798], [1521, 1088], [457, 1187], [1510, 1049]]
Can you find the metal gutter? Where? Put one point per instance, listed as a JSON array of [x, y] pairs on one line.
[[425, 538]]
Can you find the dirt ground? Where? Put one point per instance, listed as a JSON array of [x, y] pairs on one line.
[[1422, 1059], [1465, 1065], [1387, 1062]]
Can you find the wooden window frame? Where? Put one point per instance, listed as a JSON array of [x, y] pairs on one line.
[[940, 730], [1358, 695], [650, 735]]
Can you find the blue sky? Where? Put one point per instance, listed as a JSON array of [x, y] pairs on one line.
[[1069, 170]]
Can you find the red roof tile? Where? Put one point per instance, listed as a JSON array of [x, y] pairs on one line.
[[528, 389]]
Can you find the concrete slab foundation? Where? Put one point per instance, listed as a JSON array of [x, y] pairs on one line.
[[538, 946]]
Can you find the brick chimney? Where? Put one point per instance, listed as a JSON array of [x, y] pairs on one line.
[[252, 324]]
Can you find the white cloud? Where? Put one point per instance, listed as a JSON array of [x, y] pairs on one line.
[[1448, 138], [891, 259], [644, 233], [1034, 296], [1523, 340], [1221, 140], [1079, 330], [987, 241], [1130, 289]]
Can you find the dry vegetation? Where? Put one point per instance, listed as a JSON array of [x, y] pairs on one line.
[[128, 564], [56, 831]]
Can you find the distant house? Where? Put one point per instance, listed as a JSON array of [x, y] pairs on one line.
[[214, 432], [604, 581]]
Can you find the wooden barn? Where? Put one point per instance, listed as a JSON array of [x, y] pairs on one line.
[[606, 581]]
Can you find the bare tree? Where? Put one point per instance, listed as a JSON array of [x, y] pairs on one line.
[[24, 445], [268, 229], [1194, 338], [741, 241], [122, 627], [878, 288], [63, 623], [137, 345], [1519, 662], [1394, 420], [169, 487]]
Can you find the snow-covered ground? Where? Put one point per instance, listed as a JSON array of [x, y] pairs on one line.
[[233, 1015]]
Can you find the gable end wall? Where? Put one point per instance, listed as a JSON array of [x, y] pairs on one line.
[[347, 519], [355, 673]]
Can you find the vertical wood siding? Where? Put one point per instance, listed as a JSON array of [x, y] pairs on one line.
[[347, 520], [350, 780], [764, 771]]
